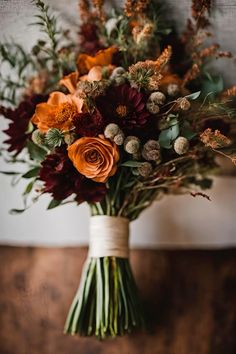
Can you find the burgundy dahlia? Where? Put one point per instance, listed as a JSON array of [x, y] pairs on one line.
[[87, 124], [124, 106], [20, 117], [61, 179]]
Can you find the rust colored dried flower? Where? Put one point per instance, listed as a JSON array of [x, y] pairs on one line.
[[147, 73], [229, 92], [84, 10], [214, 139], [191, 74], [98, 4], [209, 51], [142, 33], [133, 7]]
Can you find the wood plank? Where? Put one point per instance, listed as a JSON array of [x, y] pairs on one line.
[[189, 298]]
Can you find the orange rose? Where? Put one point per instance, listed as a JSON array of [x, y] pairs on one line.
[[95, 158], [58, 112]]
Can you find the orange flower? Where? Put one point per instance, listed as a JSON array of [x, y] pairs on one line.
[[102, 58], [70, 81], [95, 158], [96, 73], [58, 112]]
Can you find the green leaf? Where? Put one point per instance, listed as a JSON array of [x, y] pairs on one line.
[[17, 211], [194, 95], [212, 84], [131, 163], [32, 173], [168, 135], [187, 132], [10, 173], [36, 152], [53, 204], [29, 188]]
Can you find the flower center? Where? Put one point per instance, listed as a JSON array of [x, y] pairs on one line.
[[66, 111], [93, 156], [121, 110]]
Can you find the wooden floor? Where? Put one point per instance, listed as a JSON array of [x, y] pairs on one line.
[[189, 297]]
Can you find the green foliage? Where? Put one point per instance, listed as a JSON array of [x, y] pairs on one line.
[[54, 138], [53, 204], [31, 173], [167, 136], [131, 163], [193, 96], [15, 60], [35, 152], [212, 85]]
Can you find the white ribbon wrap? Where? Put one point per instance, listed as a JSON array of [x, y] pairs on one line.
[[109, 236]]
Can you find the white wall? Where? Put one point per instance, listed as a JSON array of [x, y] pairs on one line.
[[175, 221]]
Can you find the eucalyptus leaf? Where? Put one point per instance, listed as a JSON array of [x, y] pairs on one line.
[[167, 136], [194, 95], [212, 84]]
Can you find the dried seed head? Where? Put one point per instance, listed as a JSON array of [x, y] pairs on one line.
[[152, 107], [173, 90], [181, 145], [157, 97], [184, 103], [119, 138], [117, 72], [151, 151], [132, 144], [145, 169], [111, 131]]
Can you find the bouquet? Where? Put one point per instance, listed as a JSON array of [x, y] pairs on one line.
[[120, 118]]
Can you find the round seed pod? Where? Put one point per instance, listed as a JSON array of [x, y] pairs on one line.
[[117, 72], [152, 107], [145, 169], [119, 138], [38, 137], [111, 131], [157, 97], [132, 144], [151, 151], [181, 145], [173, 90]]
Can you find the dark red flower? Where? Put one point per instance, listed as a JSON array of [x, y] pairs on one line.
[[61, 179], [124, 106], [20, 117], [89, 39], [87, 124]]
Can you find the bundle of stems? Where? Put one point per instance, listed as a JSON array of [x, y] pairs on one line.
[[106, 304]]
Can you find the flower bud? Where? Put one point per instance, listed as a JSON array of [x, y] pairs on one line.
[[145, 169], [173, 89], [119, 138], [111, 131], [181, 145], [38, 137], [132, 144]]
